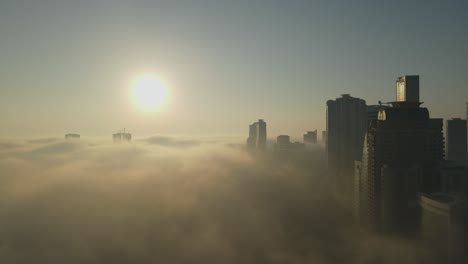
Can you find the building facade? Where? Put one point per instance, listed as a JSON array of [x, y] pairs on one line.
[[456, 140], [454, 178], [402, 154], [324, 137], [408, 89]]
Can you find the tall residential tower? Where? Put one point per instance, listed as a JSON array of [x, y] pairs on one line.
[[257, 135], [346, 127], [401, 157]]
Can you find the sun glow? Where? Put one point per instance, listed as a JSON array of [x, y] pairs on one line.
[[150, 93]]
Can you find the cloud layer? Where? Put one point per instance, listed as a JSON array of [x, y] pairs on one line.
[[172, 200]]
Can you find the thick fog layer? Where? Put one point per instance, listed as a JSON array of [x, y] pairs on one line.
[[174, 200]]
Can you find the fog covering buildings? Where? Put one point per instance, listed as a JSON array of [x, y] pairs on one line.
[[257, 136], [346, 127], [310, 137], [122, 137], [456, 140], [402, 153], [283, 202], [282, 141], [72, 136]]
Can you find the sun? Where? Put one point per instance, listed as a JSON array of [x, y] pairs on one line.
[[149, 92]]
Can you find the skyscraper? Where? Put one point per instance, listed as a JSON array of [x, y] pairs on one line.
[[408, 89], [402, 153], [456, 140], [257, 135], [346, 126]]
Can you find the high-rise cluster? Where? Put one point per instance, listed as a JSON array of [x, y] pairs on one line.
[[122, 137], [403, 182]]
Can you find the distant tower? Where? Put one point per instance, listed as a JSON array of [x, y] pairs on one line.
[[456, 140], [122, 137], [257, 135], [283, 141], [72, 136], [346, 127], [310, 137], [252, 139], [402, 154], [261, 134], [408, 89]]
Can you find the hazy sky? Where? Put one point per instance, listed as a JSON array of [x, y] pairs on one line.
[[65, 66]]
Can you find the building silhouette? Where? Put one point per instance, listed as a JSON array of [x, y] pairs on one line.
[[443, 227], [346, 127], [456, 140], [122, 137], [72, 136], [310, 137], [402, 153], [257, 136]]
